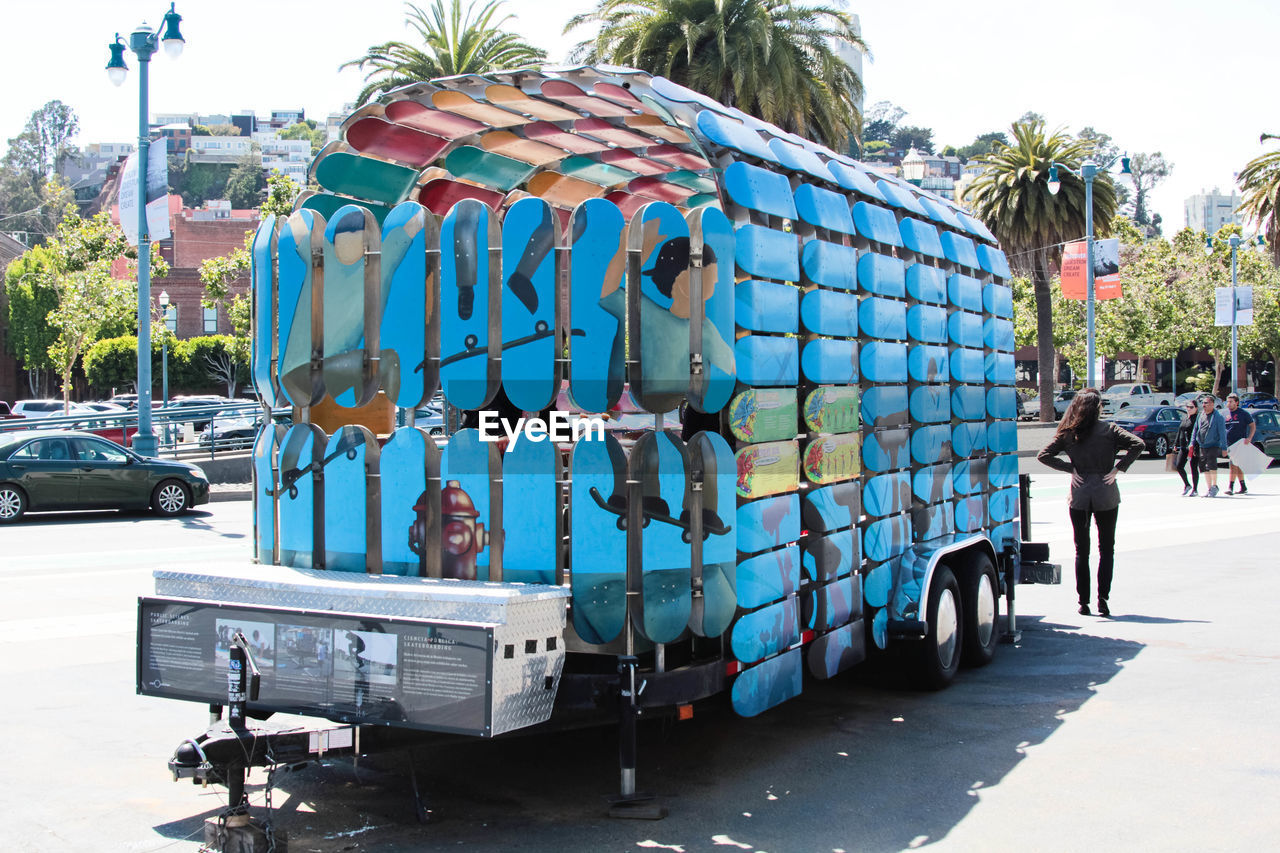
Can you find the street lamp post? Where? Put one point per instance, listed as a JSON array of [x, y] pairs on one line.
[[1234, 242], [1088, 171], [164, 358], [143, 42]]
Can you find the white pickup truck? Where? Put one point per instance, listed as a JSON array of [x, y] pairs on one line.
[[1119, 397]]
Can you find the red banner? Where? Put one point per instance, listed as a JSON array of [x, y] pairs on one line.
[[1106, 270]]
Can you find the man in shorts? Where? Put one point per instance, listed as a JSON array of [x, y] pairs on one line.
[[1240, 427], [1209, 440]]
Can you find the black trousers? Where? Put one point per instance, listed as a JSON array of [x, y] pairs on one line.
[[1106, 521], [1184, 456]]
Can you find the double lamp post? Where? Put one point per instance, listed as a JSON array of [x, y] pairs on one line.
[[144, 43]]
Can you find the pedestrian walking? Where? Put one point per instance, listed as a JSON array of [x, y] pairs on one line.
[[1182, 447], [1091, 446], [1240, 427], [1209, 443]]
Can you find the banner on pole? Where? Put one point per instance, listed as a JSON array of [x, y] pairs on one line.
[[1243, 305], [1106, 270], [157, 194]]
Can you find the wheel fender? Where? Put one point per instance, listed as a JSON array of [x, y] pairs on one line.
[[906, 616]]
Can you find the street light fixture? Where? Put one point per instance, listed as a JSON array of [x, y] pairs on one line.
[[144, 43], [1088, 171]]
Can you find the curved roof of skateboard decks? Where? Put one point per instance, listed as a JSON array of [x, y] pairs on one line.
[[600, 130]]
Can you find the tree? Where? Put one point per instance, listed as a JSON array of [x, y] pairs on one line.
[[246, 183], [913, 136], [1260, 185], [776, 59], [32, 198], [450, 41], [983, 145], [1012, 197], [309, 130], [1147, 170], [880, 121], [30, 297]]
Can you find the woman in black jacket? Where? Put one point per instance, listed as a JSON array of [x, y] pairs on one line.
[[1091, 446], [1182, 446]]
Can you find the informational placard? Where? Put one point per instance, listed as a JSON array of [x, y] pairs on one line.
[[157, 193], [1222, 315], [1106, 270], [348, 668]]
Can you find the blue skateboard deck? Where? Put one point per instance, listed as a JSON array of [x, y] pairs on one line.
[[300, 308], [832, 409], [882, 275], [830, 265], [763, 414], [1003, 506], [993, 261], [974, 226], [1002, 437], [884, 362], [999, 368], [1003, 471], [829, 361], [730, 133], [660, 510], [766, 632], [530, 337], [883, 318], [853, 177], [968, 476], [301, 497], [531, 517], [930, 522], [832, 507], [967, 366], [767, 469], [926, 284], [768, 523], [878, 582], [965, 292], [411, 492], [961, 251], [887, 538], [971, 514], [833, 555], [263, 280], [598, 505], [968, 403], [798, 159], [830, 312], [998, 300], [877, 224], [327, 205], [837, 650], [931, 404], [352, 306], [759, 190], [832, 604], [766, 306], [927, 324], [470, 508], [832, 458], [887, 494], [886, 450], [1002, 403], [352, 518], [266, 477], [899, 197], [931, 444], [965, 329], [409, 333], [997, 333], [767, 361], [968, 438], [885, 406], [597, 305], [711, 320], [920, 237], [470, 306], [769, 684], [932, 484], [768, 577], [941, 213], [824, 209], [712, 462], [764, 253], [658, 306]]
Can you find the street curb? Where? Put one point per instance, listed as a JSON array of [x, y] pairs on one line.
[[222, 495]]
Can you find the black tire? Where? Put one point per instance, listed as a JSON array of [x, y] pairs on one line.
[[1162, 446], [170, 498], [937, 656], [13, 503], [981, 608]]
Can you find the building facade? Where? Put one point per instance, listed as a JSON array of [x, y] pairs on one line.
[[1209, 211]]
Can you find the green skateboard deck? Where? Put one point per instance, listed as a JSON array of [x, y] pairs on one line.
[[832, 409], [768, 469], [764, 414], [831, 458]]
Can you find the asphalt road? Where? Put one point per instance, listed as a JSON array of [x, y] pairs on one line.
[[1153, 730]]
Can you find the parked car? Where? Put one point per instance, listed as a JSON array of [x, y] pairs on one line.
[[1182, 399], [1258, 400], [43, 470], [1157, 426], [46, 409], [104, 408], [1061, 399], [6, 413], [430, 418], [121, 433], [1122, 396], [199, 408], [231, 428], [1267, 434]]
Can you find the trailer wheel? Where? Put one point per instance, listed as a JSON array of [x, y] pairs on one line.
[[981, 613], [938, 654]]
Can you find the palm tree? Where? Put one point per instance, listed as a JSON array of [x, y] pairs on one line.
[[452, 41], [1260, 183], [776, 59], [1012, 197]]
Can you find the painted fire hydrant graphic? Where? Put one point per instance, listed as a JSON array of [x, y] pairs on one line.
[[462, 535]]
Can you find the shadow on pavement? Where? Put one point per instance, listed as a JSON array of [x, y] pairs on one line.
[[850, 764]]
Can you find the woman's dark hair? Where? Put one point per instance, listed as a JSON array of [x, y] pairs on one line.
[[1082, 414]]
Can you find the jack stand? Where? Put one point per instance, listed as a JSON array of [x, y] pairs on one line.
[[1011, 635], [234, 831], [420, 809], [629, 804]]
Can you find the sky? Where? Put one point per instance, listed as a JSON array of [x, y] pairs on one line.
[[1183, 77]]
